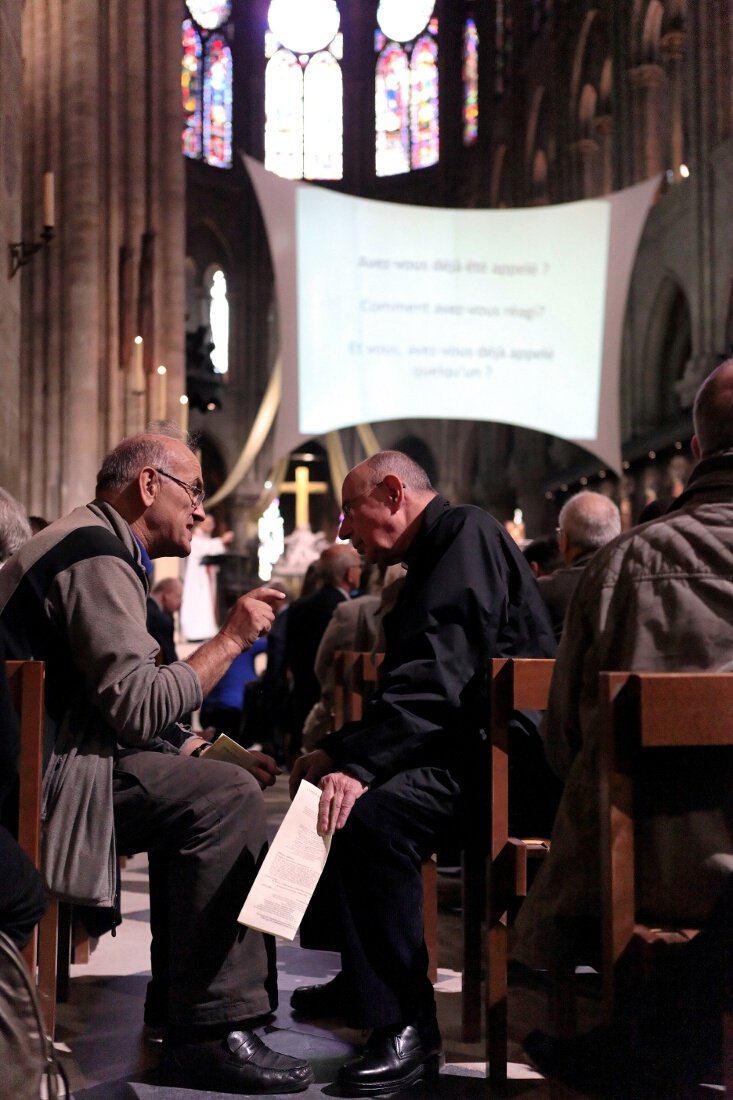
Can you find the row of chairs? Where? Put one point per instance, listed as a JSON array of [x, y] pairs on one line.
[[639, 711]]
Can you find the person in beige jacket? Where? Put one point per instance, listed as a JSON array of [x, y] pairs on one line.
[[657, 598]]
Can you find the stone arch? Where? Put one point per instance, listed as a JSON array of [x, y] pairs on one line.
[[667, 350], [651, 36]]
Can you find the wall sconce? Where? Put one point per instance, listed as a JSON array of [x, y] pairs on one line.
[[21, 251]]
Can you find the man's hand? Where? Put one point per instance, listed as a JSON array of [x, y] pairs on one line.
[[313, 766], [264, 768], [339, 793], [252, 616]]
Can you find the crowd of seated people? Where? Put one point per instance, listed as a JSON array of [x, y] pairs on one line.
[[653, 598]]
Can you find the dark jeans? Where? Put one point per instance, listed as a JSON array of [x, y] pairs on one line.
[[202, 823], [22, 900], [373, 882]]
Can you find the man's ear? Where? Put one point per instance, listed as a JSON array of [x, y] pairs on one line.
[[395, 489], [148, 484], [696, 448]]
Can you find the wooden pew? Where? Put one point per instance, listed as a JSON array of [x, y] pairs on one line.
[[25, 681], [515, 684], [640, 712]]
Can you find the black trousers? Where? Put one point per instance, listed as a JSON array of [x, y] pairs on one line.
[[202, 824], [22, 899], [372, 886]]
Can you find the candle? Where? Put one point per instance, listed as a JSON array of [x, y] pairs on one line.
[[138, 379], [184, 412], [162, 391], [48, 200]]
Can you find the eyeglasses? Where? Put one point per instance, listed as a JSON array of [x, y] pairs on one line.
[[347, 507], [196, 493]]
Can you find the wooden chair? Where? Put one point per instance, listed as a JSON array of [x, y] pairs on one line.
[[25, 681], [640, 712], [515, 684], [355, 682]]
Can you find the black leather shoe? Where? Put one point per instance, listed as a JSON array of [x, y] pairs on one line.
[[241, 1063], [395, 1058], [319, 1002]]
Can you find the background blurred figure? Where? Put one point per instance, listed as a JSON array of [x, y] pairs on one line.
[[14, 526], [198, 606], [543, 555], [162, 604], [587, 522]]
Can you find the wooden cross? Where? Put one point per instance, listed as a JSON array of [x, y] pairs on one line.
[[303, 487]]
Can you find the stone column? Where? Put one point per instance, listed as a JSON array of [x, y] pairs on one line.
[[649, 120]]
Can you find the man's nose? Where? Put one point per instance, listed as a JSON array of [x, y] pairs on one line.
[[344, 529], [199, 514]]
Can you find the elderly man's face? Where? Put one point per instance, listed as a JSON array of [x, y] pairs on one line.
[[174, 513], [368, 520]]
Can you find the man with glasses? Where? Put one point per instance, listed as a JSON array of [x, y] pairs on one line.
[[394, 782], [75, 598]]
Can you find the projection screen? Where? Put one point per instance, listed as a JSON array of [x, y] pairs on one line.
[[389, 311]]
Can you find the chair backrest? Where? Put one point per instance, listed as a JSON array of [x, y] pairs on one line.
[[516, 683], [641, 711], [355, 680], [25, 682]]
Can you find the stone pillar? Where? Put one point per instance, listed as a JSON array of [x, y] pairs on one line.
[[603, 126], [649, 120], [673, 45], [585, 154]]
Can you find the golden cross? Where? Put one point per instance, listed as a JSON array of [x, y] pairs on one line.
[[303, 487]]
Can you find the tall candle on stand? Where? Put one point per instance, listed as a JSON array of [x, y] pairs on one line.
[[184, 412], [48, 201], [162, 391], [138, 379]]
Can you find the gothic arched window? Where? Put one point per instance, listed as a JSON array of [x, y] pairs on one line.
[[470, 82], [304, 90], [393, 111], [206, 82], [407, 121]]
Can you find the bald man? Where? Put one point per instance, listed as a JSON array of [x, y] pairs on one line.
[[75, 598], [586, 523], [393, 784], [658, 598]]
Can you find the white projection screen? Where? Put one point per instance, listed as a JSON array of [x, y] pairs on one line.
[[389, 311]]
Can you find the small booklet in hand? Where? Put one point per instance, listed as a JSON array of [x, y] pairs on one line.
[[227, 749]]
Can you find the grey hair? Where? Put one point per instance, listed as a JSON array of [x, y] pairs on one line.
[[336, 560], [589, 520], [402, 466], [14, 526], [125, 462]]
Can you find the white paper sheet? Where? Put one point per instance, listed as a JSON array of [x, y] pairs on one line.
[[290, 871]]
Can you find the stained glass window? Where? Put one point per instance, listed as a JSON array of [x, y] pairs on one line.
[[218, 104], [206, 83], [470, 83], [190, 90], [424, 120], [284, 119], [304, 90], [323, 118], [392, 111], [407, 119]]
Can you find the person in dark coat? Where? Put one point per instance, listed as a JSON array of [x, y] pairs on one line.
[[393, 783]]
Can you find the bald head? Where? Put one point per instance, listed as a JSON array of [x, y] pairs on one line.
[[340, 566], [383, 501], [150, 448], [712, 414], [587, 522]]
